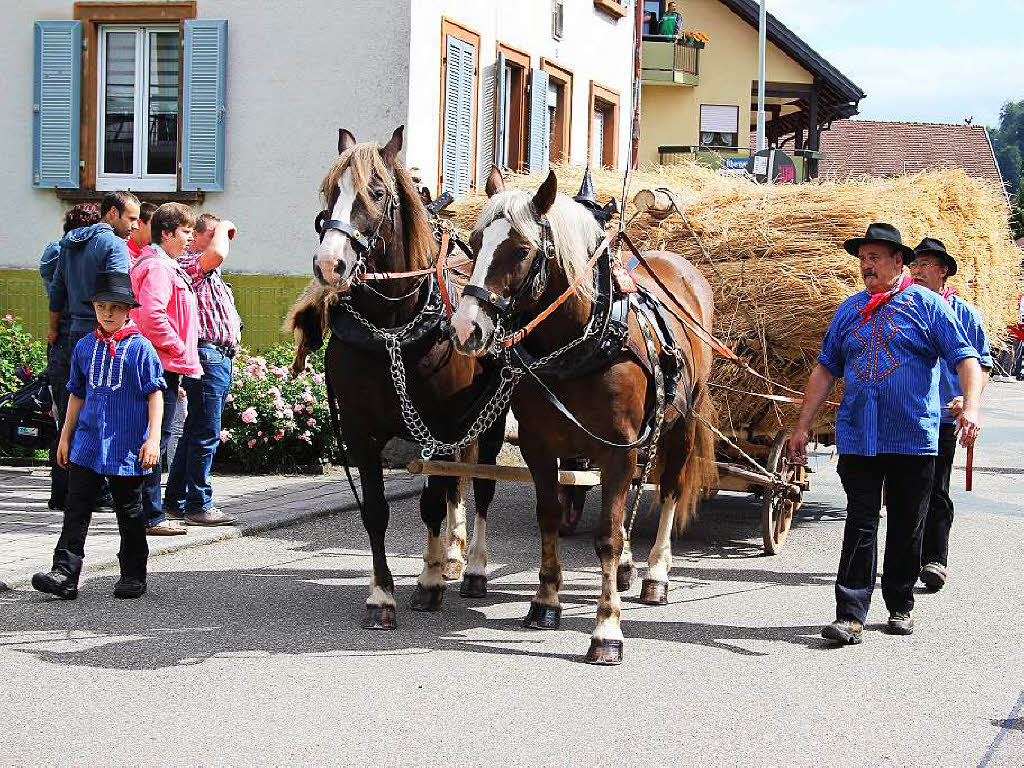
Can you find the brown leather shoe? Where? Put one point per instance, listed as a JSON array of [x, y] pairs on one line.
[[846, 632], [166, 528], [211, 516]]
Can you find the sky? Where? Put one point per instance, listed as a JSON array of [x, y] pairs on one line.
[[922, 60]]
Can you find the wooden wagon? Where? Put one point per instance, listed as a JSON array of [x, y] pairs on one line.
[[778, 486]]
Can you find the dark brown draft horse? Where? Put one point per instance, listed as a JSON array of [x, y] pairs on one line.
[[375, 221], [512, 233]]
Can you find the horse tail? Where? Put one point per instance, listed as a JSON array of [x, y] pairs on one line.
[[307, 321], [699, 475]]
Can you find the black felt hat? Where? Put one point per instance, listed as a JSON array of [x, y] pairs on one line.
[[935, 247], [113, 286], [585, 197], [880, 232]]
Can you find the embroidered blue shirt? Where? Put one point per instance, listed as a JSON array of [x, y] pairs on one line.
[[949, 382], [891, 373], [114, 420]]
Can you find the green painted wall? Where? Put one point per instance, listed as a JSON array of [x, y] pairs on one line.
[[262, 300]]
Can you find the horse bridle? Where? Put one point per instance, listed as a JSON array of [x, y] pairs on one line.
[[362, 245], [534, 284]]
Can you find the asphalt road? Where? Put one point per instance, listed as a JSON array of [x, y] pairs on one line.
[[250, 651]]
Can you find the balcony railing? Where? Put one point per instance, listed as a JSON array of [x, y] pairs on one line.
[[671, 61]]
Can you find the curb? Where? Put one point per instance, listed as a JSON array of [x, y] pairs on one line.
[[224, 533]]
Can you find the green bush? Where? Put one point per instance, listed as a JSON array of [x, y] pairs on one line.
[[18, 348], [272, 423]]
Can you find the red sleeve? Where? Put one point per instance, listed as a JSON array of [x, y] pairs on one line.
[[154, 286]]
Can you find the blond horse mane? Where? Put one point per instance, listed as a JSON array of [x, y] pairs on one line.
[[574, 230]]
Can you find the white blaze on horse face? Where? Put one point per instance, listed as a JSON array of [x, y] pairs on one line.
[[336, 246], [470, 314]]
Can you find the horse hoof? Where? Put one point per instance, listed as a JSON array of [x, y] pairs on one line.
[[653, 592], [606, 653], [473, 585], [624, 577], [380, 617], [453, 570], [427, 600], [542, 616]]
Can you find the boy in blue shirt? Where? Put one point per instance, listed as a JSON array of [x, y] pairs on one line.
[[112, 431]]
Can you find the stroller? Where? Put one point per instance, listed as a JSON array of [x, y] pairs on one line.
[[25, 414]]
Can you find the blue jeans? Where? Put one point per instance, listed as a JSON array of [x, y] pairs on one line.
[[188, 484], [151, 490]]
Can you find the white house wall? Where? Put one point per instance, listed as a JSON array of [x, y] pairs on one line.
[[297, 71], [594, 47]]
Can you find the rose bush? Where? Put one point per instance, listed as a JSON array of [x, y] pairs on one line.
[[272, 423], [18, 348]]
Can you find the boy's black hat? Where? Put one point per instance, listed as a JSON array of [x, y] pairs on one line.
[[935, 247], [113, 286]]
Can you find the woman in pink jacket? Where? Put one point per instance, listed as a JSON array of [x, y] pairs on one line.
[[169, 317]]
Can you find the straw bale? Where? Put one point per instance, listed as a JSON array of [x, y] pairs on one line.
[[774, 258]]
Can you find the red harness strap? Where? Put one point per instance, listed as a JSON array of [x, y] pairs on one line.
[[442, 258]]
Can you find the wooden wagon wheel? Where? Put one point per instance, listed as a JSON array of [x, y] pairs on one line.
[[777, 510]]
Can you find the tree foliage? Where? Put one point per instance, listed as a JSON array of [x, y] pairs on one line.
[[1008, 143]]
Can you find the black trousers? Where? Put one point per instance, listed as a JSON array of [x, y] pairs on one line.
[[908, 490], [940, 510], [83, 485]]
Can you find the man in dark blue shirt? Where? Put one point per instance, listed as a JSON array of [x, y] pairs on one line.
[[886, 342]]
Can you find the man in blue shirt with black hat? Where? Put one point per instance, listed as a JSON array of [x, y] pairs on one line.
[[886, 342], [932, 267]]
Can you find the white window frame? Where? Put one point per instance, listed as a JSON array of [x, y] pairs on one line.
[[141, 181]]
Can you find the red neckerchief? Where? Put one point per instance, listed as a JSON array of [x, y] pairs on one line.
[[948, 293], [879, 299], [128, 329]]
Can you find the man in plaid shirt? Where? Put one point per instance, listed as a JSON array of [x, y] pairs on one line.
[[189, 494]]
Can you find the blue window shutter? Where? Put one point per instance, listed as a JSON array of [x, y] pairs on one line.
[[540, 129], [488, 125], [56, 104], [206, 54], [459, 93], [500, 117]]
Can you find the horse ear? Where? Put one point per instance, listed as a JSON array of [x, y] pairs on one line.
[[545, 197], [394, 145], [345, 140], [495, 182]]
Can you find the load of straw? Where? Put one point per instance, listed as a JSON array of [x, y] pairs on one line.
[[774, 257]]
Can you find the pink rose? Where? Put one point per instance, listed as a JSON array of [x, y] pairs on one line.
[[274, 392], [249, 415], [260, 433], [318, 378], [298, 407], [309, 409], [229, 398], [307, 396], [311, 422], [266, 439], [9, 317], [251, 443], [225, 435]]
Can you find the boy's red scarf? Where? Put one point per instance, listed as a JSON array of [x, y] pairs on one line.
[[878, 299], [948, 293], [128, 329]]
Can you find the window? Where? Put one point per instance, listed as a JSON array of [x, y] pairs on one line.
[[719, 126], [460, 55], [559, 110], [557, 18], [139, 69], [652, 16], [604, 126], [130, 95], [512, 68]]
